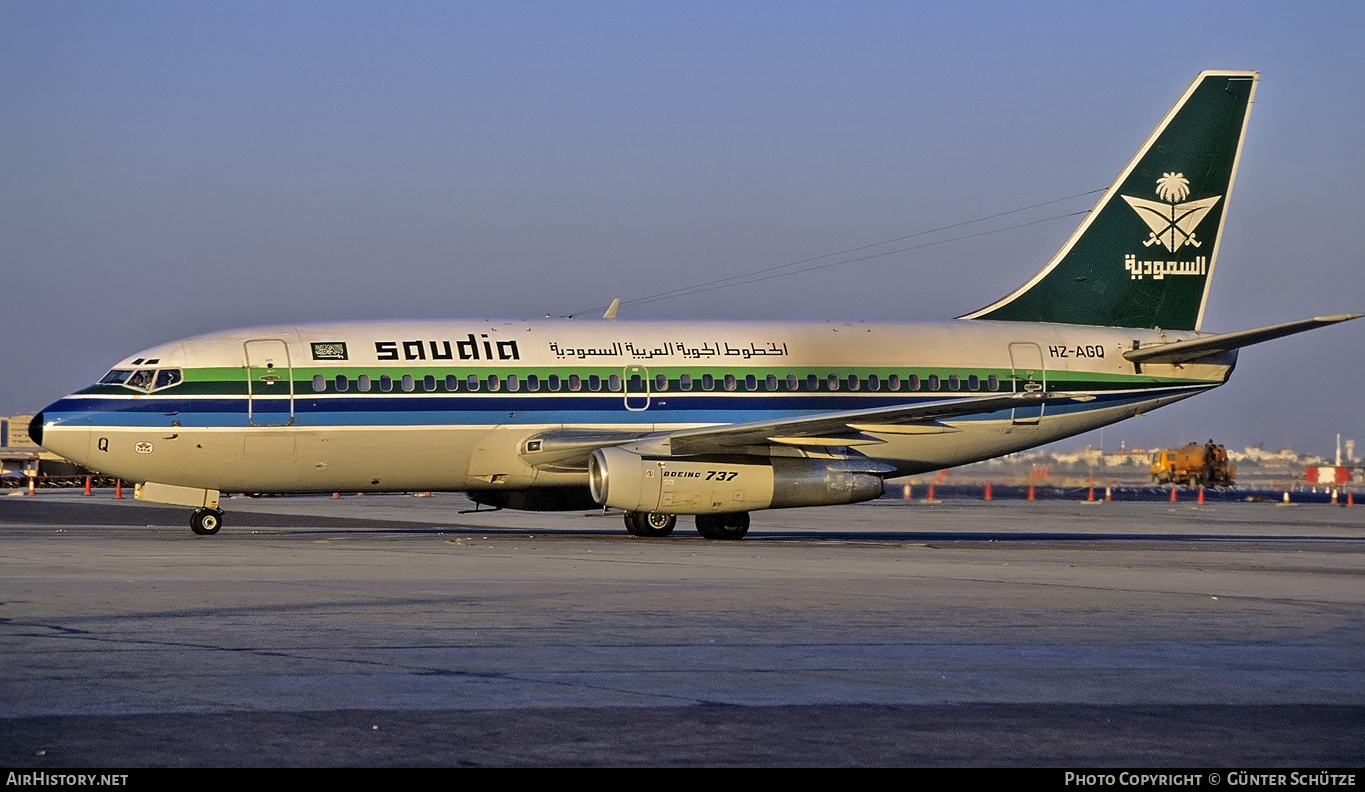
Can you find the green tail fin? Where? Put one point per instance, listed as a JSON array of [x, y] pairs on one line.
[[1144, 255]]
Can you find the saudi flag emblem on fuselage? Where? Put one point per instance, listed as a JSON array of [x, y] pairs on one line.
[[1172, 225]]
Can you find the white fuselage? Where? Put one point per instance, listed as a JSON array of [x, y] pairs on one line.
[[447, 405]]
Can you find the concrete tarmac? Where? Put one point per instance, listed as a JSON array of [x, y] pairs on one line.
[[396, 631]]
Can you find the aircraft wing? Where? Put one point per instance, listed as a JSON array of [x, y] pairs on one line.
[[569, 448], [1195, 348], [850, 427]]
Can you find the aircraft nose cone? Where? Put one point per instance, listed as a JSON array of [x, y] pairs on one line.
[[35, 428]]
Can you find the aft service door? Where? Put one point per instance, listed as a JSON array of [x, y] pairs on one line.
[[1028, 376], [269, 383], [636, 387]]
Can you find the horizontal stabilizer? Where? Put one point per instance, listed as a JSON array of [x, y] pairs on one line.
[[1195, 348]]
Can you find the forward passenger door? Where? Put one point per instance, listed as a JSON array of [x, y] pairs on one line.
[[269, 382]]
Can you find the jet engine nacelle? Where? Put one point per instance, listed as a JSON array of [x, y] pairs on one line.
[[625, 480]]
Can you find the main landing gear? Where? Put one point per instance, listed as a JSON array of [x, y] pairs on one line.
[[723, 526], [650, 524], [710, 526], [206, 522]]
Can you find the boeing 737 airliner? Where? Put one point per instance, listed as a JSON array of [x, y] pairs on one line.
[[704, 418]]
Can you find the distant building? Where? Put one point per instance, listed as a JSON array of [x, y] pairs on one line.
[[19, 455], [14, 432]]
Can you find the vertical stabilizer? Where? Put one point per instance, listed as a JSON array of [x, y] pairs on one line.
[[1144, 255]]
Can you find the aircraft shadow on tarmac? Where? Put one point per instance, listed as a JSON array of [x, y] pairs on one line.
[[95, 515]]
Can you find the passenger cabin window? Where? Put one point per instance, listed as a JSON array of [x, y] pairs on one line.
[[429, 383], [341, 383], [385, 383], [893, 382], [685, 382], [832, 382], [954, 382], [362, 383], [912, 382], [729, 382], [553, 382], [973, 382], [614, 383], [874, 382], [408, 384], [993, 383], [812, 382], [452, 383], [494, 382], [933, 382], [532, 383], [853, 382], [793, 382], [575, 383], [471, 382], [319, 383], [708, 382], [594, 383], [661, 382], [513, 383]]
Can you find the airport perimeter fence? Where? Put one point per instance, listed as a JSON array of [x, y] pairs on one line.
[[921, 492], [977, 491], [59, 482]]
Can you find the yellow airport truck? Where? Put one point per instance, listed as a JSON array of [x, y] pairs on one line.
[[1196, 465]]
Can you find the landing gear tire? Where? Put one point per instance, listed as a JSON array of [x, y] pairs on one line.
[[723, 526], [206, 522], [650, 524]]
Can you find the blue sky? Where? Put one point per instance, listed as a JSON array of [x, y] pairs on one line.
[[174, 168]]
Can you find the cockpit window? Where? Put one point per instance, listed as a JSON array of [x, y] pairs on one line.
[[144, 380], [141, 380]]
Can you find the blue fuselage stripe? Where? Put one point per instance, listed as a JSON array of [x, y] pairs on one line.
[[474, 409]]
